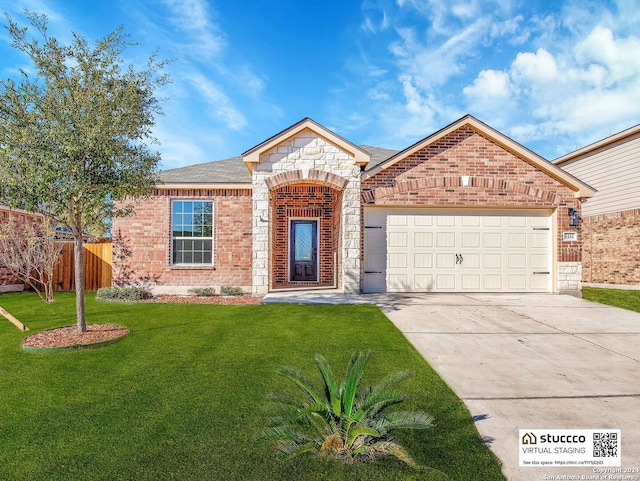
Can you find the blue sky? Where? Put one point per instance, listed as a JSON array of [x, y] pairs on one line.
[[552, 75]]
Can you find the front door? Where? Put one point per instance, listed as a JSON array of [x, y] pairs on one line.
[[304, 250]]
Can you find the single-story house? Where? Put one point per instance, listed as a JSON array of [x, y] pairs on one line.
[[610, 228], [465, 209]]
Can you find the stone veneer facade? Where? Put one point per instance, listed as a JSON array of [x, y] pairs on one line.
[[306, 159]]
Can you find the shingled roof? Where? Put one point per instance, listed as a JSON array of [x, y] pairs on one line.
[[227, 171], [234, 171]]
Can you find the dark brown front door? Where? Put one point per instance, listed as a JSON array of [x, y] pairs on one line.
[[304, 250]]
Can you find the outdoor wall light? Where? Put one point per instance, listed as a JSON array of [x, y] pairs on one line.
[[574, 218]]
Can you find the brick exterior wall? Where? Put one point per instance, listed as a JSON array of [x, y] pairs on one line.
[[305, 201], [610, 248], [465, 169], [146, 239]]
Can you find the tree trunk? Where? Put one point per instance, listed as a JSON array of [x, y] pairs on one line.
[[78, 250]]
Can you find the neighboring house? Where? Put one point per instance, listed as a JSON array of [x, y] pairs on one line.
[[610, 226], [464, 210]]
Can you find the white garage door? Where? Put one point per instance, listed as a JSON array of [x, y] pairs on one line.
[[453, 251]]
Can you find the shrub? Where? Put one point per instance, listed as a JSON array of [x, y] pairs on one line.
[[231, 291], [203, 291], [341, 420], [124, 293]]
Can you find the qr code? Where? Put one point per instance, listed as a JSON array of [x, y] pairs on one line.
[[605, 445]]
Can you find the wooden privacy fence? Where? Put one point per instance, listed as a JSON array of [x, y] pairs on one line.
[[97, 267]]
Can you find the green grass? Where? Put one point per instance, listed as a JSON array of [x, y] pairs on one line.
[[626, 299], [183, 395]]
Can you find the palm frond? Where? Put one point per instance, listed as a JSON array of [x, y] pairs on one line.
[[380, 390], [330, 388], [355, 370], [360, 430], [387, 448], [299, 379], [405, 420], [378, 403]]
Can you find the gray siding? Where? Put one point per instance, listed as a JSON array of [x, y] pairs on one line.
[[615, 172]]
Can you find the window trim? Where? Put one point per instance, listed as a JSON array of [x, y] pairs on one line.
[[172, 238]]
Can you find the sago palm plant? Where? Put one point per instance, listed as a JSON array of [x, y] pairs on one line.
[[343, 420]]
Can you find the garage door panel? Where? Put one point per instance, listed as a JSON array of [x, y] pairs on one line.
[[398, 283], [517, 240], [470, 261], [427, 251], [517, 260], [539, 240], [423, 239], [492, 261], [445, 239], [492, 282], [397, 239], [471, 282], [492, 240], [470, 221], [423, 282], [492, 221], [397, 220], [423, 220], [423, 260], [516, 221], [540, 221], [470, 240], [445, 220], [397, 260], [539, 281], [445, 260], [445, 282], [517, 282], [539, 261]]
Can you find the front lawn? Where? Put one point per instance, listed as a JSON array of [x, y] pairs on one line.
[[626, 299], [183, 395]]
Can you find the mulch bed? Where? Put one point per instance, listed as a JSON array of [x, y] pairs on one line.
[[68, 336], [226, 300]]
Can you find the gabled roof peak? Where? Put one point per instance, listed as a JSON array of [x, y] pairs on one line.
[[510, 145], [252, 156]]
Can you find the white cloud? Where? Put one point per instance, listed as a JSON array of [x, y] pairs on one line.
[[193, 19], [222, 108], [539, 67], [490, 84], [620, 57]]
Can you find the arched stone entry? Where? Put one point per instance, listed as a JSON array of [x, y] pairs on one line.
[[305, 203]]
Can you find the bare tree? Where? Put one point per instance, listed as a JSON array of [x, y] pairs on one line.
[[28, 249]]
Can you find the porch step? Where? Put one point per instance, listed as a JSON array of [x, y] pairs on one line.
[[324, 296]]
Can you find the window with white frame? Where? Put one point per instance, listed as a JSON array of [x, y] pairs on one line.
[[192, 232]]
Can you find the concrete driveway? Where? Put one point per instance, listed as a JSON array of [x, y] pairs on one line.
[[531, 362]]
